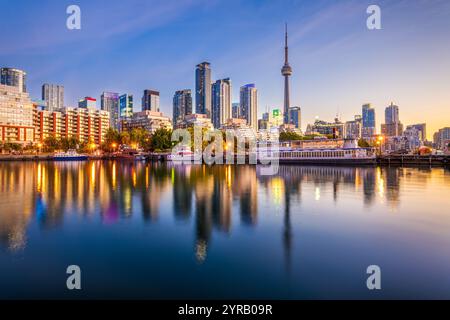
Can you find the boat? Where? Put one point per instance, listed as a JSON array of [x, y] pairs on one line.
[[70, 155], [140, 156], [346, 155], [184, 154]]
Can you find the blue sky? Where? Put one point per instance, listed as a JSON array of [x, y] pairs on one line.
[[338, 64]]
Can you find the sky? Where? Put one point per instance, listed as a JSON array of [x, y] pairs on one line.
[[338, 63]]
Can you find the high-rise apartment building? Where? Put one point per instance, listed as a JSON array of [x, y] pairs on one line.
[[295, 116], [235, 110], [87, 125], [392, 126], [13, 78], [203, 89], [368, 122], [221, 102], [182, 106], [125, 106], [87, 102], [53, 95], [16, 115], [110, 103], [249, 104], [150, 100]]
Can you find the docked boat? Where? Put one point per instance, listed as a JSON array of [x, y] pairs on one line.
[[70, 155], [184, 155], [347, 155]]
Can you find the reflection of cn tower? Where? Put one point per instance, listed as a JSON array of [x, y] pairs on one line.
[[287, 233]]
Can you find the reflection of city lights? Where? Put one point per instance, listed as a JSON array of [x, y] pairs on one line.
[[380, 182], [113, 178], [172, 175], [92, 174], [228, 176], [146, 177], [317, 194], [39, 177], [200, 250], [133, 174], [277, 188]]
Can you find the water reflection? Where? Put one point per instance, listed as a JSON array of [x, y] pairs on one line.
[[211, 197]]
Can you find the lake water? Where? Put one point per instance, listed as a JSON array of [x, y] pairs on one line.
[[144, 230]]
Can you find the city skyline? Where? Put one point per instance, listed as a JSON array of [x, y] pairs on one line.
[[330, 47]]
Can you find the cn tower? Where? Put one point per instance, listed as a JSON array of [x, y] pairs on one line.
[[286, 71]]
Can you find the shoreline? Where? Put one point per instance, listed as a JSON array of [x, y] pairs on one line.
[[397, 160]]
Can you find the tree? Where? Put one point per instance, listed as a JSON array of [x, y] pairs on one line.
[[289, 136], [68, 143], [363, 143], [51, 144], [112, 140], [162, 140]]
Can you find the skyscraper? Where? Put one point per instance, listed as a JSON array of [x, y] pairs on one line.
[[13, 78], [392, 126], [150, 100], [368, 121], [203, 89], [110, 103], [87, 102], [221, 102], [182, 105], [126, 106], [235, 110], [295, 116], [249, 105], [53, 95], [286, 71]]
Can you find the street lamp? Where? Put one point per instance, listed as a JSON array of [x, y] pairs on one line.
[[39, 147], [379, 142]]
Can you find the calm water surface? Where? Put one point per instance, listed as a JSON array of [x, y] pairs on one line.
[[158, 231]]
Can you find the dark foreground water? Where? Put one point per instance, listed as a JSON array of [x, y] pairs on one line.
[[158, 231]]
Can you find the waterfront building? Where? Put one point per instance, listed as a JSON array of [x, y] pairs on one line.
[[295, 116], [221, 102], [368, 122], [203, 89], [150, 100], [241, 128], [249, 104], [53, 95], [149, 120], [442, 138], [125, 106], [336, 128], [196, 120], [16, 114], [412, 136], [110, 103], [352, 129], [286, 71], [236, 110], [422, 128], [87, 102], [392, 126], [87, 125], [182, 106], [13, 78]]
